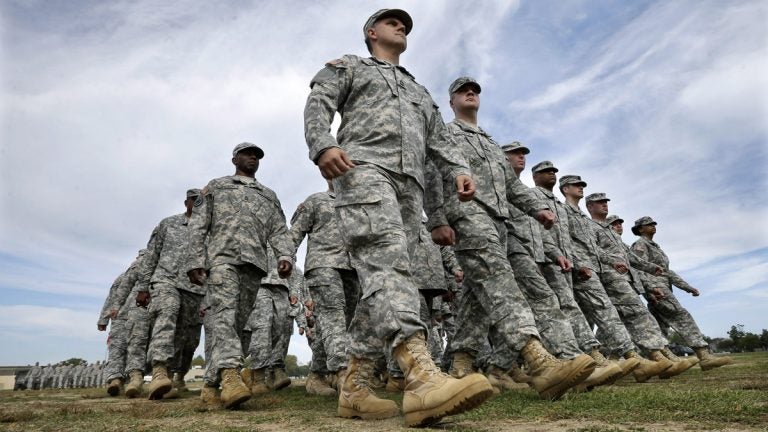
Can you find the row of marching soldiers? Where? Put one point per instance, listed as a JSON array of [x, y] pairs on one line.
[[61, 376]]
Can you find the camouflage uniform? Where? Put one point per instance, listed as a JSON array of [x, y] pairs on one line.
[[330, 279], [175, 302], [668, 311], [491, 299], [270, 323], [590, 293], [210, 364], [389, 125], [229, 229], [124, 301], [642, 328], [562, 283]]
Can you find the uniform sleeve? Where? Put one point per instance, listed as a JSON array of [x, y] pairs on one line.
[[433, 197], [302, 222], [199, 224], [447, 158], [677, 281], [450, 263], [279, 238], [329, 90], [106, 309], [129, 279], [551, 250], [640, 263], [151, 257], [520, 195]]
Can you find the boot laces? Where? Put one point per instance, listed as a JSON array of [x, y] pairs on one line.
[[422, 357]]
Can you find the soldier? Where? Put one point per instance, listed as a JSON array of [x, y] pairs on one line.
[[667, 309], [332, 282], [492, 302], [317, 380], [589, 260], [230, 226], [269, 321], [529, 249], [173, 302], [389, 125], [642, 328]]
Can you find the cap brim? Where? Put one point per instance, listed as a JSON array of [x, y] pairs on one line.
[[399, 14]]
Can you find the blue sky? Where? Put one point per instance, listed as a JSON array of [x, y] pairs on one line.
[[109, 111]]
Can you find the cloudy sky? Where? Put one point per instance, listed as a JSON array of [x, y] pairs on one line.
[[109, 111]]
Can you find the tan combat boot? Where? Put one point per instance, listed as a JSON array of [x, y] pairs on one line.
[[431, 394], [679, 366], [395, 384], [500, 379], [518, 375], [627, 365], [376, 381], [605, 373], [280, 379], [647, 368], [709, 361], [256, 380], [160, 384], [209, 397], [179, 383], [233, 389], [316, 385], [115, 386], [133, 389], [551, 378], [337, 379], [462, 365], [356, 399]]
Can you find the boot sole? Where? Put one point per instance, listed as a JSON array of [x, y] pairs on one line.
[[113, 391], [468, 398], [576, 377], [281, 385], [606, 381], [160, 391], [132, 393], [234, 402]]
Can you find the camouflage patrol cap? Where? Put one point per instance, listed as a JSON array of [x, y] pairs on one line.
[[597, 196], [514, 146], [643, 221], [572, 180], [461, 82], [544, 166], [612, 219], [246, 145], [386, 13], [193, 193]]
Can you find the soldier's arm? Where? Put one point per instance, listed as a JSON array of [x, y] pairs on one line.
[[520, 195], [106, 309], [640, 263], [447, 159], [450, 263], [677, 281], [199, 224], [302, 222], [433, 197], [279, 237], [329, 90], [151, 257]]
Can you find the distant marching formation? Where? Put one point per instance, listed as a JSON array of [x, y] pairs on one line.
[[61, 376], [513, 278]]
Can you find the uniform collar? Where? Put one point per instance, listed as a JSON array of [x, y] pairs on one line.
[[469, 128], [373, 61], [252, 182]]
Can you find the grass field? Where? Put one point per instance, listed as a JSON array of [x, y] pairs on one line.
[[733, 398]]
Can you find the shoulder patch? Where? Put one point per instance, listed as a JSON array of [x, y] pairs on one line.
[[334, 62], [199, 201]]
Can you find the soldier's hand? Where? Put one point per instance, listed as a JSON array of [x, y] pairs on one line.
[[546, 218], [443, 235], [695, 292], [659, 271], [583, 274], [309, 304], [564, 264], [293, 300], [284, 269], [658, 294], [465, 187], [101, 327], [458, 276], [197, 276], [449, 296], [142, 298], [113, 313], [620, 267], [334, 162], [301, 330], [309, 333]]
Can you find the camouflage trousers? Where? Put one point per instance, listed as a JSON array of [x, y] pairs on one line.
[[380, 217], [210, 363], [642, 328], [425, 314], [139, 329], [599, 310], [270, 327], [174, 321], [671, 314], [335, 293], [117, 350], [436, 342], [492, 305], [319, 362], [561, 284], [554, 328], [230, 293]]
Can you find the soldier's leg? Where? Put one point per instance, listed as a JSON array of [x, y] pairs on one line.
[[210, 377], [554, 328], [188, 326], [138, 339], [352, 293], [674, 315], [598, 308], [561, 284], [327, 290], [282, 330], [642, 328], [164, 310], [260, 348]]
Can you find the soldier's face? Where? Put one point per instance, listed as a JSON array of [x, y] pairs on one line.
[[648, 229], [247, 160], [618, 228], [546, 178], [599, 208], [516, 160], [575, 191], [466, 98], [189, 203], [389, 32]]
